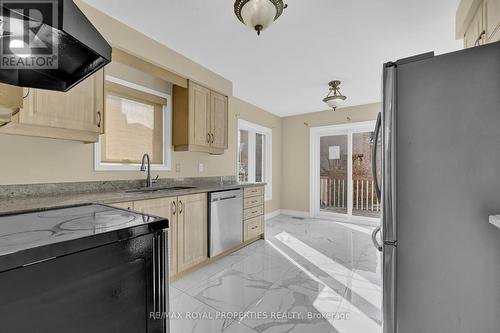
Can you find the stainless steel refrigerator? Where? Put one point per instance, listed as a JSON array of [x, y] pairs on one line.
[[440, 180]]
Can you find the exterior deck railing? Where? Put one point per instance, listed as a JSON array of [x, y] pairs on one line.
[[333, 194]]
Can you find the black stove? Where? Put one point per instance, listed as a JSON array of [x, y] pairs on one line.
[[47, 232]]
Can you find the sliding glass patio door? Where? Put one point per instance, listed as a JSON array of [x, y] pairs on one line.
[[342, 183]]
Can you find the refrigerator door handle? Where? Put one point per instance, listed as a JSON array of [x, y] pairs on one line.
[[374, 239], [374, 156]]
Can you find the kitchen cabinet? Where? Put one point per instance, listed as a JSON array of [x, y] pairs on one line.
[[218, 120], [167, 208], [74, 115], [188, 237], [478, 22], [474, 35], [11, 101], [492, 20], [200, 119], [253, 212], [192, 233]]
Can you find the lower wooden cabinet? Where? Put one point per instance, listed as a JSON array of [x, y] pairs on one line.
[[164, 207], [192, 233], [187, 231], [253, 212], [253, 227]]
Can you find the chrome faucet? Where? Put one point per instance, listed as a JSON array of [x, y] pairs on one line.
[[145, 157]]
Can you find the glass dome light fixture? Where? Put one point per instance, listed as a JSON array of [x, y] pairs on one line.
[[258, 14], [337, 99]]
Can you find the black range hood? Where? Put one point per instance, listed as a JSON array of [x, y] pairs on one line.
[[48, 44]]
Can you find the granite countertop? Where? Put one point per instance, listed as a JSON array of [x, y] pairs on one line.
[[18, 203]]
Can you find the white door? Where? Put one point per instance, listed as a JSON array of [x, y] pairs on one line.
[[342, 184]]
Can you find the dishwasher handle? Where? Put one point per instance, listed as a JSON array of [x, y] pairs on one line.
[[225, 195], [227, 198]]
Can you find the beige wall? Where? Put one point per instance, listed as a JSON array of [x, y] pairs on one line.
[[37, 160], [295, 149]]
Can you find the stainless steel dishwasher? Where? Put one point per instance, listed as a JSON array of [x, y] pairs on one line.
[[226, 221]]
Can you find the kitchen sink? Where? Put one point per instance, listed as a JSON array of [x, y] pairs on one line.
[[161, 188]]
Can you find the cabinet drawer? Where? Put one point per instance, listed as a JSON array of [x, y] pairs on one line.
[[253, 212], [253, 202], [253, 227], [253, 191]]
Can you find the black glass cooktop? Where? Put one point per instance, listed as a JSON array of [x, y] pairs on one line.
[[34, 229]]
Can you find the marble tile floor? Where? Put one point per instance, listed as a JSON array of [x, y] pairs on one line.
[[309, 275]]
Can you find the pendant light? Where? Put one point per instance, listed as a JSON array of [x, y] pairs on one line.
[[337, 99], [258, 14]]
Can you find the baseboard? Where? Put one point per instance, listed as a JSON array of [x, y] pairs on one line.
[[296, 213], [272, 214]]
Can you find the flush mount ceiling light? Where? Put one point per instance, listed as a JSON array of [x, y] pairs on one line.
[[258, 14], [337, 99]]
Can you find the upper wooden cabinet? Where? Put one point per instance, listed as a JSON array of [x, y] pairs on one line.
[[478, 22], [74, 115], [200, 118], [11, 101]]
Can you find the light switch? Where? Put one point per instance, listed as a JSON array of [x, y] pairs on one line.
[[201, 167]]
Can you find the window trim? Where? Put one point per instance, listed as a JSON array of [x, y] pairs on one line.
[[167, 134], [268, 162]]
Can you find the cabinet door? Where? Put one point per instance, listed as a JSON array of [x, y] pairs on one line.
[[475, 30], [199, 114], [492, 17], [164, 207], [219, 120], [192, 230], [78, 109], [11, 99]]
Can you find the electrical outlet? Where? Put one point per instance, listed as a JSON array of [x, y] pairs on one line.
[[177, 167], [201, 167]]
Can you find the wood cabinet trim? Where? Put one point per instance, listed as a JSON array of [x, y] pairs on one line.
[[128, 59]]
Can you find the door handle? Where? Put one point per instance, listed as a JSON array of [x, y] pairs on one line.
[[374, 156], [374, 239]]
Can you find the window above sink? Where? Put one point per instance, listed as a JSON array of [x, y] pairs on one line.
[[138, 120]]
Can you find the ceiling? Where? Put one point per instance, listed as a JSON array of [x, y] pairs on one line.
[[287, 69]]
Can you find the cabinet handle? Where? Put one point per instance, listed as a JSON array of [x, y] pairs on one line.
[[253, 228], [476, 43], [99, 117], [174, 208], [181, 206], [208, 137], [213, 137]]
